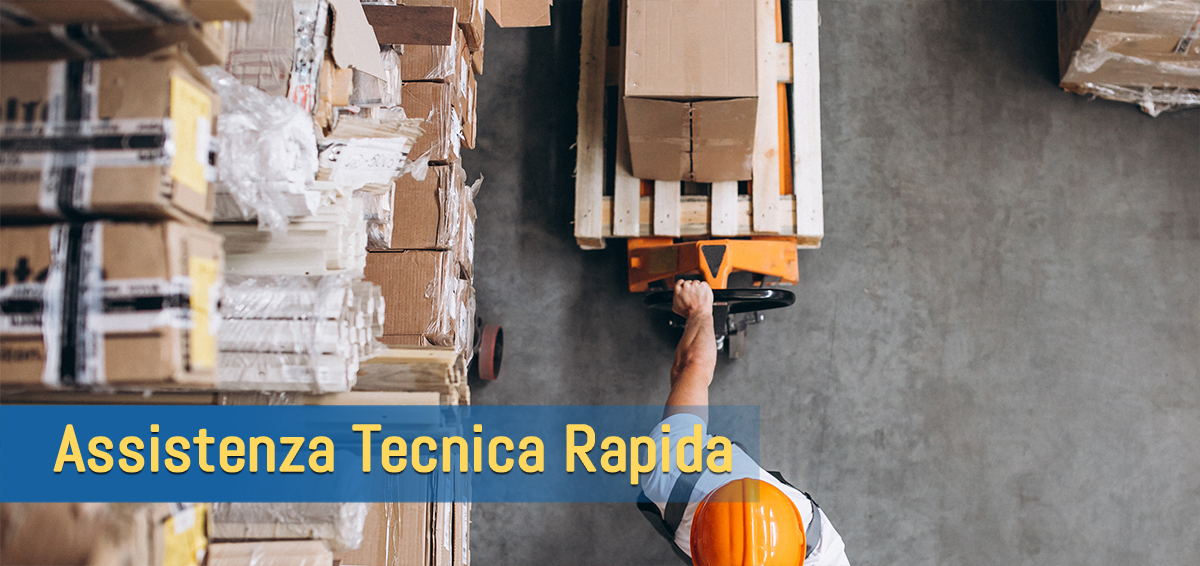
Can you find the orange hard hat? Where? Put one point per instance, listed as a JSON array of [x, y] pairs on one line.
[[747, 522]]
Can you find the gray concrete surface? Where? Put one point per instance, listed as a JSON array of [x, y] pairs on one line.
[[995, 357]]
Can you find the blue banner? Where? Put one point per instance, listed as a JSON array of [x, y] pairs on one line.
[[316, 453]]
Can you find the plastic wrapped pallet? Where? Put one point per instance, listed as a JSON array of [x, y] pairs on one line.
[[297, 333], [1146, 52], [340, 525], [267, 152]]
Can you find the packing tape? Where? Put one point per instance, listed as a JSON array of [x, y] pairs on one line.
[[75, 346], [72, 142]]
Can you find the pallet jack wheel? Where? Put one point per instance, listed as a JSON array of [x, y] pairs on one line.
[[491, 352]]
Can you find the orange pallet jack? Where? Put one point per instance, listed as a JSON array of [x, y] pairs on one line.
[[657, 262]]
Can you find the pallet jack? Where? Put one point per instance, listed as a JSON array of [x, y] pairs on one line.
[[655, 263]]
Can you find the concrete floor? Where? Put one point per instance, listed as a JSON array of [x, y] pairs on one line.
[[995, 356]]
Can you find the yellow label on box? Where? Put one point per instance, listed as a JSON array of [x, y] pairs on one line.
[[184, 543], [191, 112], [203, 272]]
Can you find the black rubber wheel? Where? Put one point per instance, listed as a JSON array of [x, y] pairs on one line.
[[739, 300]]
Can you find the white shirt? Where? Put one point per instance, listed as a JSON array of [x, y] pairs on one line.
[[831, 551]]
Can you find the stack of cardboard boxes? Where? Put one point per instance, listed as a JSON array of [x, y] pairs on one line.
[[109, 273], [691, 89], [425, 267]]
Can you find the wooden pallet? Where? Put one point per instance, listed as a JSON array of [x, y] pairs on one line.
[[638, 208]]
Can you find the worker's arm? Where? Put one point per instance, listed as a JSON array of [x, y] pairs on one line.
[[696, 356]]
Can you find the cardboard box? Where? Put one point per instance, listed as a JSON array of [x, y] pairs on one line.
[[467, 104], [703, 141], [440, 63], [449, 64], [520, 13], [435, 103], [405, 340], [116, 13], [477, 61], [168, 120], [427, 215], [1103, 42], [140, 287], [690, 49], [691, 89], [395, 534], [425, 295], [470, 17], [270, 553]]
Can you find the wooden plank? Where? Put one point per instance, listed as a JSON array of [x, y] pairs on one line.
[[412, 25], [666, 208], [807, 184], [764, 190], [627, 189], [783, 62], [694, 217], [589, 143], [724, 199]]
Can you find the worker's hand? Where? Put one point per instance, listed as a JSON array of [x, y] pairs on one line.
[[692, 298]]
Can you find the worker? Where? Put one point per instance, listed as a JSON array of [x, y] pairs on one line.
[[743, 517]]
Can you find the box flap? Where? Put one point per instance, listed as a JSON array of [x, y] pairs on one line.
[[354, 43], [723, 139], [659, 138]]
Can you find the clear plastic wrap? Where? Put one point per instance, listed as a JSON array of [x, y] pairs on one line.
[[266, 150], [438, 104], [297, 333], [430, 62], [448, 293], [379, 215], [338, 524], [1152, 100], [370, 91]]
